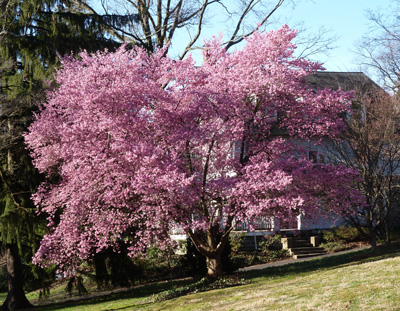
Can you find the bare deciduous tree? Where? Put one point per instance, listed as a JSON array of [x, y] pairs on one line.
[[380, 49], [8, 6], [371, 145], [154, 23]]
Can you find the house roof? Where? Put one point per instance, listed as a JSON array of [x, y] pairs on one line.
[[347, 81]]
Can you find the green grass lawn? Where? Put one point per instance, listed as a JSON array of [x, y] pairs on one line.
[[365, 286], [354, 281]]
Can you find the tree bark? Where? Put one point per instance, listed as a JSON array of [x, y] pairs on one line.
[[214, 267], [16, 298]]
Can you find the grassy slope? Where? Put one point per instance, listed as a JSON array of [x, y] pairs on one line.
[[367, 286], [345, 282]]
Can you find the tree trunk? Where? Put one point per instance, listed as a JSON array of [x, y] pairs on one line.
[[16, 298], [215, 243], [372, 242], [214, 267], [388, 229]]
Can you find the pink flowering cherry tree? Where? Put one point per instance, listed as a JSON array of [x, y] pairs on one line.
[[134, 143]]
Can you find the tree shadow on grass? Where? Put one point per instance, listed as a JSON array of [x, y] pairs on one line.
[[141, 292], [144, 292]]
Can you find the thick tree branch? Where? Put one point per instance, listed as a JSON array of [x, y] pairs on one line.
[[199, 28]]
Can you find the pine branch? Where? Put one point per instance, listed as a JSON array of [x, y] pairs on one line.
[[12, 194]]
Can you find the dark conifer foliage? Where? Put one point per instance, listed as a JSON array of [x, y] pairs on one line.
[[32, 35]]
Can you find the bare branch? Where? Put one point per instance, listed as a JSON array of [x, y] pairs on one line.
[[380, 49], [314, 43], [371, 145], [234, 38], [89, 9], [158, 21], [199, 27]]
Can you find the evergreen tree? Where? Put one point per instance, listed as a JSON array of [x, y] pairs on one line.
[[32, 33], [20, 228]]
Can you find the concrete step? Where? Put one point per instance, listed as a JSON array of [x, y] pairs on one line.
[[300, 250], [301, 242], [307, 255], [307, 252], [298, 245]]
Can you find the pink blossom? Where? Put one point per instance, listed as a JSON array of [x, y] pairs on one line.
[[133, 143]]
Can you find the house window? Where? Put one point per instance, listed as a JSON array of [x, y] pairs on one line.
[[271, 113], [316, 157], [312, 156], [195, 156], [237, 149]]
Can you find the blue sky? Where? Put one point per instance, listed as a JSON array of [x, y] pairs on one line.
[[346, 19]]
